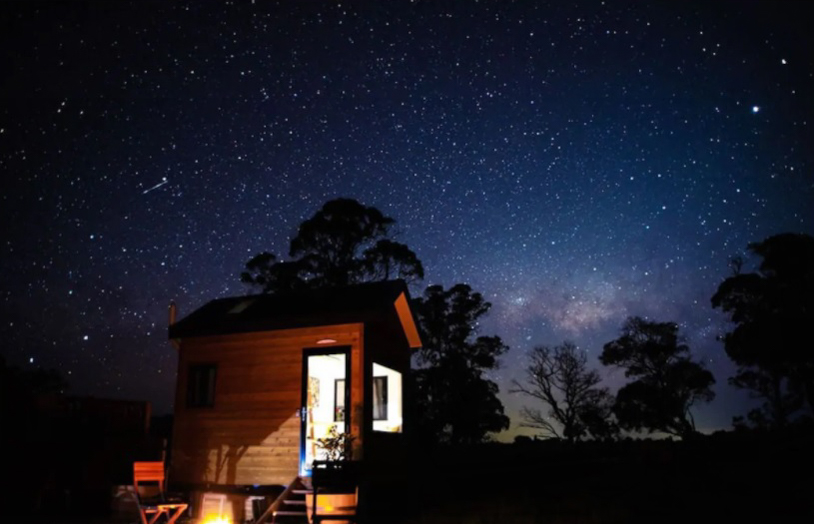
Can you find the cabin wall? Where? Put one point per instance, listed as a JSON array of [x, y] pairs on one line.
[[251, 435]]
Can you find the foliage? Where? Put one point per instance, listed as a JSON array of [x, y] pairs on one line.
[[458, 403], [265, 272], [667, 382], [337, 446], [559, 377], [344, 243], [388, 259], [773, 311]]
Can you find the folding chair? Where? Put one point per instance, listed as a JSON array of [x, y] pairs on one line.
[[159, 504]]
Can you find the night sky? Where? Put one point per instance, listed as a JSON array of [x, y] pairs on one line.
[[576, 164]]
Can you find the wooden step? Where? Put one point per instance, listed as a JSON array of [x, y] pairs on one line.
[[288, 513], [302, 491], [291, 519], [294, 502]]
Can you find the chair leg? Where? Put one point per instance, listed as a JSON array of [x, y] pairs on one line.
[[155, 517], [171, 518]]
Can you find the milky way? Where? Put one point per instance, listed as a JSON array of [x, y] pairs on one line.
[[575, 164]]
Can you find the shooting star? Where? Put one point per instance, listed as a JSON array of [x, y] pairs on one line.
[[163, 181]]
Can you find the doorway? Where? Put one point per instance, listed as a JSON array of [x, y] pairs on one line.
[[325, 401]]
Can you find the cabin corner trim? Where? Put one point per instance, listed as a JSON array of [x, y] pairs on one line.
[[407, 321]]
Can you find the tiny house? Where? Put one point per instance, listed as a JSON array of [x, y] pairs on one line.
[[261, 379]]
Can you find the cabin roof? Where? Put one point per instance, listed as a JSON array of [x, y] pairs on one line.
[[266, 312]]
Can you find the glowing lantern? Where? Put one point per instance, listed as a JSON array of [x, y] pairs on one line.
[[216, 519]]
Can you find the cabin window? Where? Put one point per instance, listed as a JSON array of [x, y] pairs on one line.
[[386, 395], [201, 385], [379, 398]]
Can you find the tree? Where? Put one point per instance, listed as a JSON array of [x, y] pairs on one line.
[[667, 382], [344, 243], [773, 311], [459, 405], [388, 259], [270, 276], [559, 377]]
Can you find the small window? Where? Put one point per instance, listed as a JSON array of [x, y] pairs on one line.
[[201, 386], [379, 398], [386, 399]]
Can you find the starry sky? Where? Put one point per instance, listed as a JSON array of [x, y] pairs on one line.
[[575, 163]]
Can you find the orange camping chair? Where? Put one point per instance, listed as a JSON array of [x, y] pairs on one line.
[[155, 506]]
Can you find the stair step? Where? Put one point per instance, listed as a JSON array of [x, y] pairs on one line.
[[298, 519], [287, 513], [302, 491], [294, 502]]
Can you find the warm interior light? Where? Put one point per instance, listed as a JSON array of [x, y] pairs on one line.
[[326, 341], [217, 519]]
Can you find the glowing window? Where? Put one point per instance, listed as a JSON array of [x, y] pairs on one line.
[[387, 399], [379, 398]]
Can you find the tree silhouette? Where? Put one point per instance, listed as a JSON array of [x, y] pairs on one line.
[[667, 382], [388, 259], [773, 311], [459, 405], [560, 378], [344, 243], [270, 276]]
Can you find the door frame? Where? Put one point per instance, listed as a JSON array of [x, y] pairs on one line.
[[311, 352]]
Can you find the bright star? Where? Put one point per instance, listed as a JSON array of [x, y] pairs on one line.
[[755, 109]]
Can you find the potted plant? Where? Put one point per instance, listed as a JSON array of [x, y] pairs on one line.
[[337, 446]]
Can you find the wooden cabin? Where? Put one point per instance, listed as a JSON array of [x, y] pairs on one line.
[[262, 378]]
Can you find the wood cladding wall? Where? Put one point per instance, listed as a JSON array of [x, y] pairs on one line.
[[251, 435]]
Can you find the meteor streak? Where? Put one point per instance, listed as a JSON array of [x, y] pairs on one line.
[[163, 181]]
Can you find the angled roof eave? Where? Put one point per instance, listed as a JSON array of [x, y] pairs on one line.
[[407, 320]]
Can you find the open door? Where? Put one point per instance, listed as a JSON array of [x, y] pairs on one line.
[[326, 380]]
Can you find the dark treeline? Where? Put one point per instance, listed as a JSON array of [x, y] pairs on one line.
[[665, 384], [581, 466], [771, 310], [346, 242]]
